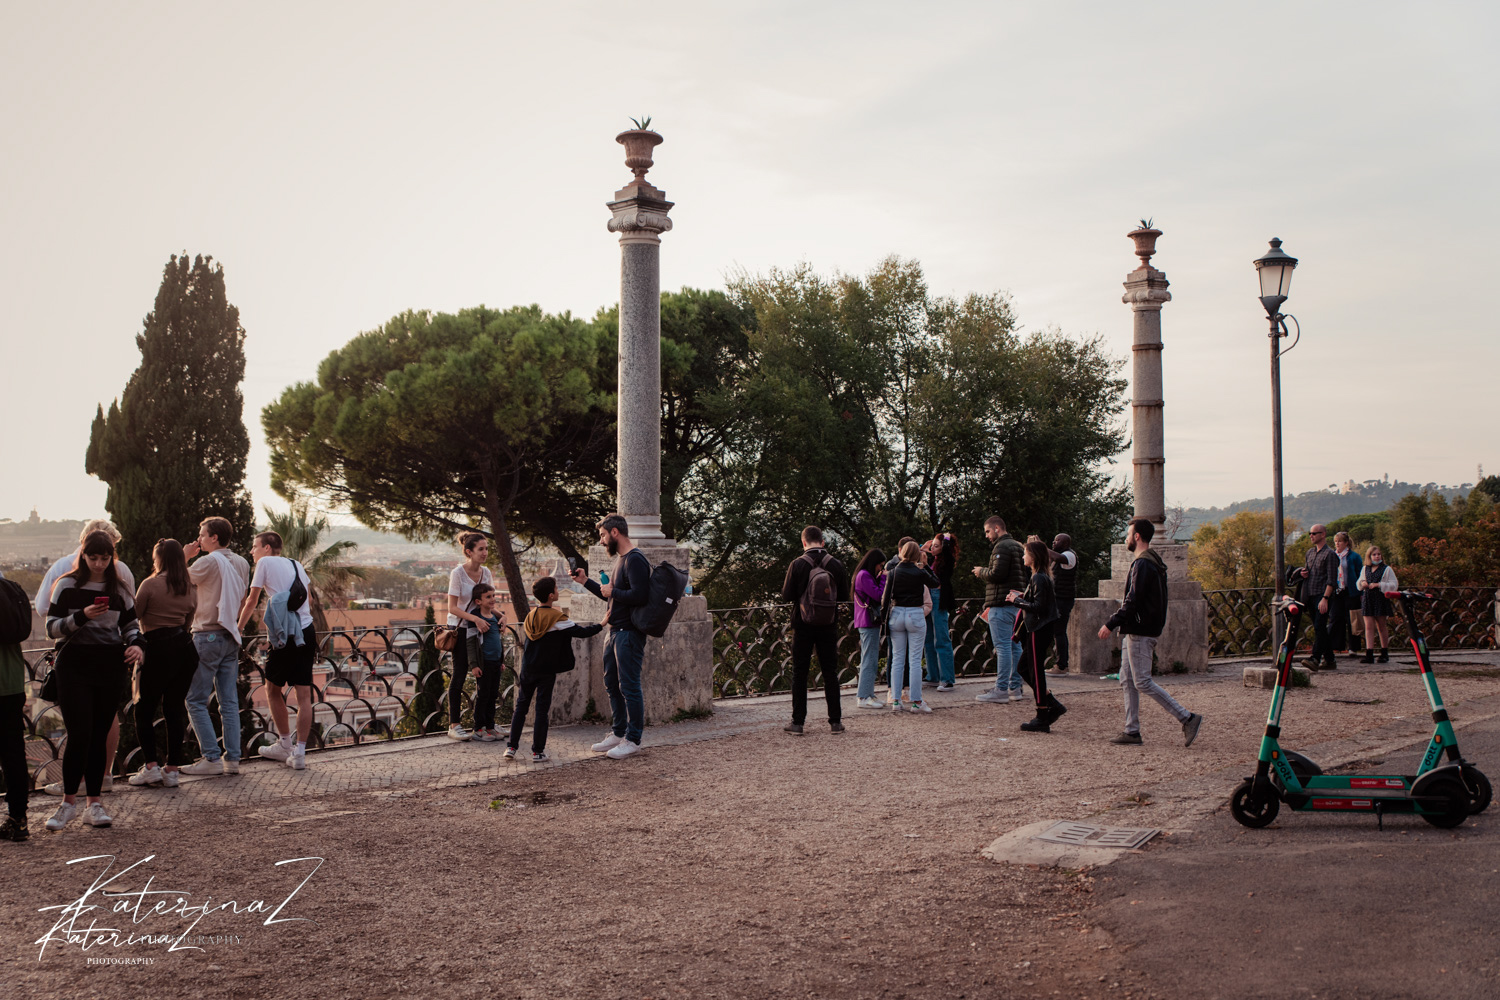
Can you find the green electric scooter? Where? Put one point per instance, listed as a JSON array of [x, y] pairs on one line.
[[1443, 795]]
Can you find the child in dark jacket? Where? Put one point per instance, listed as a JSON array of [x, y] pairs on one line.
[[549, 652]]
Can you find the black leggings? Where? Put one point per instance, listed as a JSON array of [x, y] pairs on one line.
[[13, 753], [90, 682], [1034, 646], [541, 685], [460, 672], [165, 677]]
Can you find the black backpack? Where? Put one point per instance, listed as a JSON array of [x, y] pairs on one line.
[[15, 613], [297, 596], [664, 595], [820, 598]]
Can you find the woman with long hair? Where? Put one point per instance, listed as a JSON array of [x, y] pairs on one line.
[[1038, 604], [462, 616], [164, 606], [869, 589], [942, 554], [92, 614], [1375, 581], [906, 586]]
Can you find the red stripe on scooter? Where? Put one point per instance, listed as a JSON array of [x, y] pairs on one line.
[[1341, 803], [1376, 783]]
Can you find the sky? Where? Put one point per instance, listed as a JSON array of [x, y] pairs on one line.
[[349, 161]]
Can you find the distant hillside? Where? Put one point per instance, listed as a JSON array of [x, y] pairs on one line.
[[1316, 506]]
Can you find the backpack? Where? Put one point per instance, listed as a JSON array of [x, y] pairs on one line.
[[297, 596], [820, 598], [15, 613], [664, 594]]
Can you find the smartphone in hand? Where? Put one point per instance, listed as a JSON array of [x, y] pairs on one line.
[[101, 602]]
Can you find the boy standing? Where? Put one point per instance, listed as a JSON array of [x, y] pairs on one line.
[[549, 652], [492, 656], [290, 663]]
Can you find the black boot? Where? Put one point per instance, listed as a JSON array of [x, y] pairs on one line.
[[1041, 724], [1385, 655], [1055, 708], [1369, 656]]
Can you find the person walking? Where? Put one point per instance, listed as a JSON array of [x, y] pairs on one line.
[[222, 578], [1006, 572], [942, 555], [625, 646], [1140, 618], [1038, 617], [55, 572], [1346, 597], [461, 617], [549, 652], [164, 607], [93, 614], [816, 584], [1065, 587], [490, 666], [13, 736], [1322, 581], [1375, 581], [293, 641], [869, 615], [905, 585]]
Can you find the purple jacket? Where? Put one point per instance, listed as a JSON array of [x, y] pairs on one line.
[[867, 593]]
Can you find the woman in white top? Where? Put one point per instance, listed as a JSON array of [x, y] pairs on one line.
[[1375, 581], [461, 615]]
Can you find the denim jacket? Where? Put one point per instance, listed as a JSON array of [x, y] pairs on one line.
[[282, 625]]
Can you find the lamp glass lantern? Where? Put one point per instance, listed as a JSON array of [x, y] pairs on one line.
[[1275, 271]]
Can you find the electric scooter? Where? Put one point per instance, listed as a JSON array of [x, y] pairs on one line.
[[1443, 795]]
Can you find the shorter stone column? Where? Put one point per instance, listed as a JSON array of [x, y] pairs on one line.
[[1183, 646]]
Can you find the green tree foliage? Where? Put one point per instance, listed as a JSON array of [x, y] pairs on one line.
[[1361, 527], [327, 566], [1490, 487], [1238, 553], [173, 447], [438, 422], [1469, 556], [1416, 515]]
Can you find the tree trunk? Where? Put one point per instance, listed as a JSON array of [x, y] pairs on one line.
[[506, 551]]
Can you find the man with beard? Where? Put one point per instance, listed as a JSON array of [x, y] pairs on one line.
[[629, 587], [1140, 619]]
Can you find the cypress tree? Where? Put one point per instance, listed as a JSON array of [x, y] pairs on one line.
[[173, 447]]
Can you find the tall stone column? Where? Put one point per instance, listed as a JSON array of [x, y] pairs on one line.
[[1145, 293]]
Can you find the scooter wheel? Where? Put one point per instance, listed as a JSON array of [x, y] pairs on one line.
[[1457, 809], [1249, 811], [1478, 787]]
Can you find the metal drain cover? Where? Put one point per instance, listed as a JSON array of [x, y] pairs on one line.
[[1088, 835]]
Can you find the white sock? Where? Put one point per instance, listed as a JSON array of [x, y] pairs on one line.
[[286, 740], [302, 747]]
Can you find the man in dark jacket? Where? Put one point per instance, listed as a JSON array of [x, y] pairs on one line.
[[1317, 595], [813, 580], [1005, 573], [1141, 617], [1065, 583], [549, 652], [625, 648]]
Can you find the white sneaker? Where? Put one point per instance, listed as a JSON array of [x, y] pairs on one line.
[[623, 749], [95, 815], [296, 760], [170, 779], [992, 696], [510, 753], [896, 706], [231, 766], [203, 766], [62, 817], [539, 757], [920, 706], [486, 736], [457, 732], [149, 774], [870, 703], [945, 686], [1017, 696], [608, 743], [53, 788], [276, 751]]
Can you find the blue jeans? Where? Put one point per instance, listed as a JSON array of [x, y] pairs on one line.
[[869, 661], [908, 627], [218, 673], [623, 652], [1007, 651], [938, 649]]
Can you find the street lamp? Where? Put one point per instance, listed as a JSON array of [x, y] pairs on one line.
[[1275, 272]]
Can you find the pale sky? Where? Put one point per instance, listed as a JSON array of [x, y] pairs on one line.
[[349, 161]]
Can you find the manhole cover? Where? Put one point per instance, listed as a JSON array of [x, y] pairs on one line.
[[1088, 835]]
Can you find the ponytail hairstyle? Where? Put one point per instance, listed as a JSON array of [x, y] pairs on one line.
[[172, 564], [1041, 561], [98, 543], [468, 539]]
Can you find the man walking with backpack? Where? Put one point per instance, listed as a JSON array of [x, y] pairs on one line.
[[625, 647], [816, 583]]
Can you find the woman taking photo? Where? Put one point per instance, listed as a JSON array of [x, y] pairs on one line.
[[869, 591], [906, 586], [1038, 604], [1375, 581], [164, 607], [943, 557], [461, 616], [92, 613]]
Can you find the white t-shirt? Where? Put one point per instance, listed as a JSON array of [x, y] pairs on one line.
[[461, 587], [273, 574]]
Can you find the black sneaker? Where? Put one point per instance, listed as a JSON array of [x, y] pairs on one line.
[[14, 829], [795, 728], [836, 727], [1128, 740], [1190, 729]]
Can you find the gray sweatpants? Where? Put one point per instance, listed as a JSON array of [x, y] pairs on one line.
[[1135, 678]]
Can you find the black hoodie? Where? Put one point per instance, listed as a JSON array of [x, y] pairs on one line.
[[1144, 609]]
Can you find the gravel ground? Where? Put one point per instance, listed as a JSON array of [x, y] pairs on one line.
[[754, 865]]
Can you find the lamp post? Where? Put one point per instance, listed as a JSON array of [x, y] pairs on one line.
[[1275, 272]]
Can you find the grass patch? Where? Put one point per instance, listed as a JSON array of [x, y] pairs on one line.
[[688, 714]]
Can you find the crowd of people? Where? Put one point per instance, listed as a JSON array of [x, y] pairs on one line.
[[1346, 596]]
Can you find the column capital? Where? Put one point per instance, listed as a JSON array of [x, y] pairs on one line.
[[1146, 289], [640, 213]]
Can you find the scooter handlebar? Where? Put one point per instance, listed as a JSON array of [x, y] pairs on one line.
[[1412, 595], [1287, 606]]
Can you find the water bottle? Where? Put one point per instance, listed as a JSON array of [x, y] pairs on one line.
[[603, 578], [687, 590]]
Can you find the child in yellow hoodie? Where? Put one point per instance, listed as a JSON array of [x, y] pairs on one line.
[[549, 652]]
